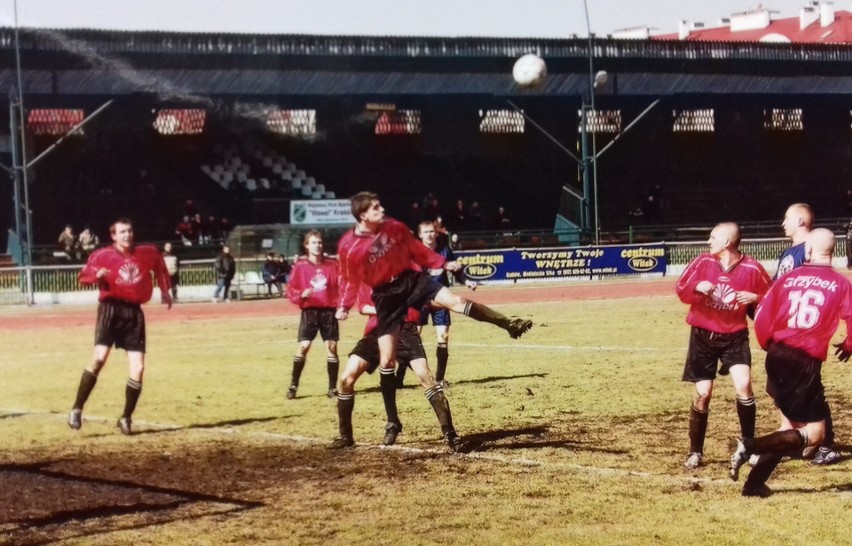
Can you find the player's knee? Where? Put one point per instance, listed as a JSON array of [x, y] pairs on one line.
[[346, 385], [97, 365], [701, 399], [331, 348]]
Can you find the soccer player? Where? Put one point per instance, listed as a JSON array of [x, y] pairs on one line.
[[797, 224], [719, 286], [383, 254], [794, 324], [123, 275], [441, 320], [365, 357], [314, 288]]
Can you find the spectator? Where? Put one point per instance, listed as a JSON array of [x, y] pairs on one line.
[[224, 228], [198, 228], [502, 220], [458, 218], [189, 208], [214, 232], [67, 246], [433, 212], [172, 268], [271, 273], [427, 202], [474, 216], [88, 240], [455, 244], [284, 269], [184, 231], [225, 268]]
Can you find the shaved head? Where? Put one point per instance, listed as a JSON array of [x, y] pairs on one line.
[[820, 245], [798, 221]]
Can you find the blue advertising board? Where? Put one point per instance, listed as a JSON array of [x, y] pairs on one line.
[[554, 263]]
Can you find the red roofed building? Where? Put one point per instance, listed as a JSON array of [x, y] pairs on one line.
[[817, 23]]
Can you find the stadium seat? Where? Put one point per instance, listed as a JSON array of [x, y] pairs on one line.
[[307, 191], [320, 188], [228, 177], [218, 168], [301, 174], [316, 195], [292, 168], [206, 169], [251, 184], [330, 195], [286, 175], [264, 183], [252, 279], [296, 183]]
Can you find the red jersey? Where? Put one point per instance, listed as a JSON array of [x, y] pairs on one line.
[[322, 277], [365, 298], [128, 276], [803, 309], [376, 258], [719, 312]]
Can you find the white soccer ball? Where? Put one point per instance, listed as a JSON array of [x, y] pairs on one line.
[[529, 70]]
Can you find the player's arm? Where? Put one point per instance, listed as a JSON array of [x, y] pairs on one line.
[[164, 281], [764, 319], [350, 280], [844, 348], [295, 287], [690, 287], [93, 271]]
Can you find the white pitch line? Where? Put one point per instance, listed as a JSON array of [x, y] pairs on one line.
[[566, 347]]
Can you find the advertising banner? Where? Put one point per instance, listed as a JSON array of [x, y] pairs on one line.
[[321, 211], [554, 263]]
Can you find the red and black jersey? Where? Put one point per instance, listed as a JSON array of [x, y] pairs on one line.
[[128, 276], [719, 312], [803, 309], [322, 277], [365, 298], [376, 258]]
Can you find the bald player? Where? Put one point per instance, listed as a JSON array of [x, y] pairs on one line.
[[719, 286], [797, 224], [794, 324]]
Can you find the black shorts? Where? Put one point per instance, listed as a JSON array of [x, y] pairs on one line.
[[318, 319], [121, 324], [707, 348], [410, 289], [409, 348], [794, 381]]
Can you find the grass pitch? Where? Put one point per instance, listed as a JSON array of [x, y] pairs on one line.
[[580, 428]]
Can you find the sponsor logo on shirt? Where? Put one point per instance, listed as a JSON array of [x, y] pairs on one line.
[[808, 281], [380, 246], [788, 263], [129, 273], [319, 282], [723, 298]]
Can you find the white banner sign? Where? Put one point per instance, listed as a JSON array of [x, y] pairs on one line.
[[321, 211]]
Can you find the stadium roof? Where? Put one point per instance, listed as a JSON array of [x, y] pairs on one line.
[[817, 23], [173, 65]]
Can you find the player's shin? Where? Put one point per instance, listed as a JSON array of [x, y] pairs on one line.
[[131, 396], [345, 407], [697, 429], [443, 355], [87, 384], [387, 383], [781, 441], [828, 440], [441, 406], [482, 313], [747, 413], [333, 367], [298, 366], [762, 469]]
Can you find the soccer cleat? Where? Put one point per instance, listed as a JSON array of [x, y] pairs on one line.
[[517, 327], [342, 442], [75, 419], [291, 392], [392, 430], [332, 393], [738, 459], [456, 443], [761, 491], [825, 456], [693, 461], [125, 424]]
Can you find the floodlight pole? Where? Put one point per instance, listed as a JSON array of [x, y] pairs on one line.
[[590, 162]]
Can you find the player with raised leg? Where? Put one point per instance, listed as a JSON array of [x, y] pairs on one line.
[[383, 254], [794, 324]]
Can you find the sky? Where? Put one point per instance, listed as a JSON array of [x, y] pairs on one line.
[[450, 18]]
